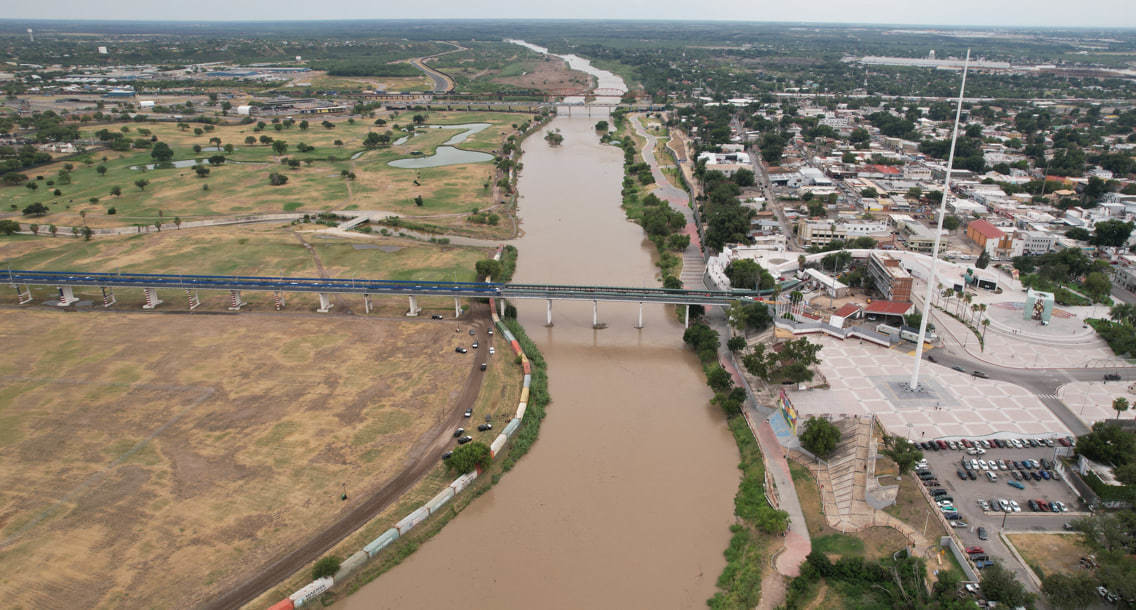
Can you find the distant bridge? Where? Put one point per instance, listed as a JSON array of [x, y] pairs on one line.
[[149, 283]]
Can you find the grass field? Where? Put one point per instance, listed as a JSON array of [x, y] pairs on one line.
[[149, 460], [240, 186], [244, 250], [1051, 553], [913, 509]]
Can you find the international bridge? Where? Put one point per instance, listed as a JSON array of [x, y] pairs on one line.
[[190, 285]]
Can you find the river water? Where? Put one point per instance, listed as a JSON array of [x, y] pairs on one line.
[[626, 499]]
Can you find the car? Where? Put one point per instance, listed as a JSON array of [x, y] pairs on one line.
[[484, 427], [1032, 443], [991, 477], [985, 443], [1016, 484], [944, 500], [974, 464], [1045, 474], [979, 557], [484, 365], [1033, 505], [1111, 377], [460, 350], [1016, 443], [930, 358], [472, 332], [1053, 508], [974, 549], [981, 565], [435, 317], [959, 523], [1014, 505], [1043, 505], [966, 465], [952, 445], [941, 444], [952, 516], [1064, 442], [446, 455], [939, 491], [1103, 592], [970, 474], [459, 432], [468, 413], [489, 332], [1017, 477], [966, 443], [982, 534], [958, 368], [961, 474], [1017, 465], [475, 345], [1035, 475], [925, 475], [930, 483], [972, 451], [1068, 526], [465, 439], [948, 508], [1060, 506], [491, 350], [980, 375]]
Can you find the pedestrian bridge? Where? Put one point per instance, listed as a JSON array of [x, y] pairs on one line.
[[151, 283]]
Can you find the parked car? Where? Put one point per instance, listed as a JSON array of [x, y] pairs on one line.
[[980, 375], [970, 473], [460, 350], [991, 477], [1014, 505], [472, 332], [468, 413], [939, 491], [1016, 484], [930, 483], [1033, 505], [959, 523], [485, 426], [952, 516], [465, 439], [974, 549], [962, 474], [491, 350], [982, 534], [475, 345], [1111, 377], [435, 317], [459, 432], [446, 455]]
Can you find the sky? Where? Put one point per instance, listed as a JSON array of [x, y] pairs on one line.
[[1046, 13]]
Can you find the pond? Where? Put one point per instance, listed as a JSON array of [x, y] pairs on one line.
[[443, 155]]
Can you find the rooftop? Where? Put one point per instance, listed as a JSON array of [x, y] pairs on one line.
[[889, 308], [985, 229]]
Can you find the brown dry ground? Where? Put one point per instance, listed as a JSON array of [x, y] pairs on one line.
[[152, 460], [500, 391], [549, 75], [1053, 553]]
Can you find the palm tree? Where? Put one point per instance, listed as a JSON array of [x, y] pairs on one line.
[[974, 312], [1120, 405], [985, 323]]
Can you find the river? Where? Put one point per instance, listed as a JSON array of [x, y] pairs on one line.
[[627, 497]]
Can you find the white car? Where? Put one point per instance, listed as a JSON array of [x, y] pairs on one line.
[[492, 351], [1014, 505], [983, 465], [972, 451]]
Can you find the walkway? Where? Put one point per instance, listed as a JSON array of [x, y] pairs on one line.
[[693, 265]]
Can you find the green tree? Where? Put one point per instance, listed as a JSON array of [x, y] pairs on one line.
[[1108, 443], [901, 451], [141, 183], [999, 584], [279, 147], [469, 457], [1120, 405], [736, 344], [325, 567], [8, 227], [746, 274], [277, 179], [602, 126], [1097, 286], [983, 259], [101, 169], [951, 222], [87, 233], [162, 153], [116, 191], [719, 380], [488, 268], [1111, 233], [35, 209], [820, 437]]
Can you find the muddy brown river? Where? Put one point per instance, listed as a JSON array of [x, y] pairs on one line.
[[626, 499]]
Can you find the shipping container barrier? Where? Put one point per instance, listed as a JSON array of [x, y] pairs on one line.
[[462, 482], [498, 443], [437, 502], [350, 566], [524, 394], [383, 541], [521, 410], [512, 427], [528, 381], [408, 522], [284, 604], [310, 592]]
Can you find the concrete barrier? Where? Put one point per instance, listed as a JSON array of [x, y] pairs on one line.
[[437, 502], [310, 592], [410, 521], [350, 566], [383, 541], [462, 482], [498, 443]]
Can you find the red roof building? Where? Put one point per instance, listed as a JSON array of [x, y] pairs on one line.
[[988, 236], [889, 308]]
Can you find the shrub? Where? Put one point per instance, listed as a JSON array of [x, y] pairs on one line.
[[277, 179], [326, 566]]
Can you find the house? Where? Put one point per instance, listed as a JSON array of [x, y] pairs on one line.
[[889, 277], [988, 237], [849, 311]]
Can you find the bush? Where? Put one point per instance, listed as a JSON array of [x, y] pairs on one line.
[[325, 567], [277, 179], [8, 227], [35, 209], [469, 457], [820, 437]]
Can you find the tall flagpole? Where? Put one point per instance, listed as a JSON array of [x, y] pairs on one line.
[[932, 284]]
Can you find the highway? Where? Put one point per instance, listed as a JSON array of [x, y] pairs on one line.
[[378, 287]]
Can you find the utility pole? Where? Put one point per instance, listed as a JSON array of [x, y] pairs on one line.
[[931, 282]]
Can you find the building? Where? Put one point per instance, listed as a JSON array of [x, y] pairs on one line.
[[848, 311], [727, 163], [832, 286], [919, 238], [988, 237], [1036, 242], [889, 276], [890, 311], [821, 232]]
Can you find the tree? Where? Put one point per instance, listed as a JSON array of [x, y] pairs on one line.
[[1097, 286], [279, 147], [418, 201], [999, 585], [141, 183], [8, 227], [303, 125], [746, 274], [488, 268], [1078, 234], [744, 177], [901, 451], [859, 136], [53, 230], [1108, 443], [35, 209], [250, 140], [325, 567], [101, 169], [201, 170], [951, 222], [277, 179], [601, 126], [1120, 405], [87, 233], [34, 228], [469, 457], [719, 380], [983, 259], [869, 193], [372, 140], [736, 344], [1069, 592], [116, 191], [820, 437], [554, 138], [1111, 233], [162, 153], [419, 119], [177, 222]]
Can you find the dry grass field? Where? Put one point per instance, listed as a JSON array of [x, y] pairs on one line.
[[152, 460], [1052, 553]]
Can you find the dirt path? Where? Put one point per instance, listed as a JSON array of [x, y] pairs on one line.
[[337, 297], [423, 456], [772, 583]]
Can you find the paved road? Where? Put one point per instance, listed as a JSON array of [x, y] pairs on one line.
[[442, 83]]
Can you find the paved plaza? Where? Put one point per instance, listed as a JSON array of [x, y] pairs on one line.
[[1091, 401], [866, 379]]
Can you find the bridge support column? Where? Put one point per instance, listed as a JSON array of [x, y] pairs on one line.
[[66, 296], [501, 308], [457, 307], [640, 324], [325, 303], [278, 298], [152, 300], [549, 313], [686, 320], [23, 293], [413, 307], [235, 302], [108, 297], [366, 302], [194, 301], [595, 314]]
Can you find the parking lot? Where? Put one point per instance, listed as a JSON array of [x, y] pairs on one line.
[[966, 494]]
